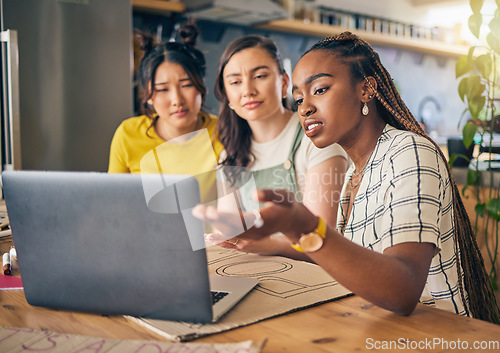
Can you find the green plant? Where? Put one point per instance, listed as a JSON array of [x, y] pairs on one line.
[[479, 89]]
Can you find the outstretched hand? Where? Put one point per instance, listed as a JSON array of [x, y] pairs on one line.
[[281, 213]]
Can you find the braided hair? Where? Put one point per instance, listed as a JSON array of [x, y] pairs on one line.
[[364, 62], [184, 54]]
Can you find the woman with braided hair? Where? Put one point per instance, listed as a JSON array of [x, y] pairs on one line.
[[403, 235]]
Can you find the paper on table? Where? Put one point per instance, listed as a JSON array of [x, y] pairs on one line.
[[10, 282], [22, 339], [285, 285]]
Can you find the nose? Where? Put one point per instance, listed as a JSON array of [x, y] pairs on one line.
[[177, 98], [306, 109], [248, 88]]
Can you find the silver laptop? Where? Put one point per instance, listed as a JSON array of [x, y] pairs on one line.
[[89, 242]]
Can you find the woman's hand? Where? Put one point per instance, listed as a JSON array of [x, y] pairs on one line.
[[275, 244], [229, 224], [281, 213]]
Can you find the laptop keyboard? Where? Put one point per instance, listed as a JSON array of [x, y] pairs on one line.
[[216, 296]]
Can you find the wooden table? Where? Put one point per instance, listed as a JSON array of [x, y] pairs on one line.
[[346, 325]]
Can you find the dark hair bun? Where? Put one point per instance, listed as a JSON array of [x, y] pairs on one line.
[[189, 34]]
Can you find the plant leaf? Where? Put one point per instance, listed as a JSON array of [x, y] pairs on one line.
[[473, 177], [480, 207], [475, 87], [471, 52], [476, 5], [474, 93], [452, 159], [476, 104], [463, 65], [468, 133], [495, 26], [462, 88], [475, 22], [493, 42], [493, 208], [484, 65]]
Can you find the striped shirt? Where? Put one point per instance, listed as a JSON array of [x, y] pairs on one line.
[[406, 196]]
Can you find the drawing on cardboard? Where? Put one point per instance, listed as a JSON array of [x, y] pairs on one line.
[[271, 272]]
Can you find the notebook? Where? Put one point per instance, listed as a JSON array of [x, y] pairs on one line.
[[90, 242]]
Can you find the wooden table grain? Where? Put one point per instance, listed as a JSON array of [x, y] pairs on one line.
[[347, 325]]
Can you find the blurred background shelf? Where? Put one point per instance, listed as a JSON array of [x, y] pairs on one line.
[[325, 30], [158, 6]]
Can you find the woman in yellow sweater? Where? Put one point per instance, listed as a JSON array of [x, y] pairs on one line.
[[174, 136]]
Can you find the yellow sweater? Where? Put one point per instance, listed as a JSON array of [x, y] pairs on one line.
[[135, 151]]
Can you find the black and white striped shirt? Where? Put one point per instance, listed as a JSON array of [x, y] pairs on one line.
[[406, 196]]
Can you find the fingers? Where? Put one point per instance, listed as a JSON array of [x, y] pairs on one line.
[[222, 241], [253, 219], [278, 196], [199, 211], [215, 238], [205, 212]]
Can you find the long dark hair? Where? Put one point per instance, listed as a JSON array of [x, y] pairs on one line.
[[364, 62], [184, 54], [234, 132]]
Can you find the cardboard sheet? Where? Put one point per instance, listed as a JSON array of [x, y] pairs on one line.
[[14, 340], [285, 285]]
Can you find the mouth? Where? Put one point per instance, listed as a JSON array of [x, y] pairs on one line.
[[252, 104], [180, 113], [312, 127]]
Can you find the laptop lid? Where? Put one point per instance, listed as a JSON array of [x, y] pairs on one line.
[[88, 242]]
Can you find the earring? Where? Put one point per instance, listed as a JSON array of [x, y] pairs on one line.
[[365, 110], [230, 107]]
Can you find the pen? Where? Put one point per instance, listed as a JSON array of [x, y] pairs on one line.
[[7, 269]]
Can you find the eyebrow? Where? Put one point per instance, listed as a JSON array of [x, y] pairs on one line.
[[313, 78], [252, 71], [166, 82]]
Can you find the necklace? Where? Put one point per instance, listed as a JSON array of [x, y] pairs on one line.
[[354, 186], [361, 172]]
